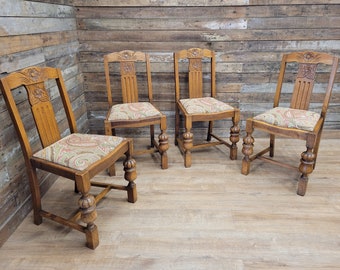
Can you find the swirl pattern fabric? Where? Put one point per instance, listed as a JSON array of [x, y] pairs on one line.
[[132, 111], [79, 151], [290, 118], [204, 105]]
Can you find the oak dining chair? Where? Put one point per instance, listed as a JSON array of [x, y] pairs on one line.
[[128, 109], [63, 151], [310, 76], [196, 101]]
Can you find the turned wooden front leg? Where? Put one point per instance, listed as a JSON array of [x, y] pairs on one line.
[[234, 137], [130, 175], [163, 147], [247, 150], [187, 144], [87, 205], [306, 167]]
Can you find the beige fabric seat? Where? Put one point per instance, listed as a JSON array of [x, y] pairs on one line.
[[79, 151], [289, 118]]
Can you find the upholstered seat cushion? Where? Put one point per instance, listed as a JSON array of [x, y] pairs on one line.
[[204, 105], [79, 151], [290, 118], [132, 111]]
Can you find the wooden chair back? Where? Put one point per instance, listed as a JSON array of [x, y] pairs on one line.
[[32, 79], [128, 74], [308, 67], [195, 57]]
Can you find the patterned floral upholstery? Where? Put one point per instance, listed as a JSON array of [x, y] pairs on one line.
[[204, 105], [132, 111], [290, 118], [78, 151]]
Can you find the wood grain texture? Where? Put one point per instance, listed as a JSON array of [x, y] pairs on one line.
[[206, 217], [247, 58], [40, 34], [249, 40]]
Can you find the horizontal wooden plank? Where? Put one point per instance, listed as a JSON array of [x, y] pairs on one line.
[[209, 24], [212, 11], [291, 2], [134, 3], [210, 36], [61, 56], [16, 8], [294, 23], [169, 24], [21, 43], [200, 3], [12, 26], [60, 2], [231, 47]]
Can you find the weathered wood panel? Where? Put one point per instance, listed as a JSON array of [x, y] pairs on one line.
[[249, 39], [203, 3], [33, 34], [15, 8], [9, 26], [226, 11]]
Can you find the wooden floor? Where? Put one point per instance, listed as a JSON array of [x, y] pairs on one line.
[[208, 216]]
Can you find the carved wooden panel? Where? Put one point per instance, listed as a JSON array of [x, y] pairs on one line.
[[129, 82], [195, 78], [303, 86]]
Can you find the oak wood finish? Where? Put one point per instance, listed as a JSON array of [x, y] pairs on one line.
[[306, 71], [34, 81], [195, 88], [129, 68], [244, 57]]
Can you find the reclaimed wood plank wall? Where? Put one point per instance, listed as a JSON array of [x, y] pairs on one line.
[[249, 38], [33, 34]]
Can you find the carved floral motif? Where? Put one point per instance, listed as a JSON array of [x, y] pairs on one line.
[[307, 71], [195, 52], [195, 64], [127, 68]]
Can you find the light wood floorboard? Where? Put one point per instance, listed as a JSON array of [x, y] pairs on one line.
[[209, 216]]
